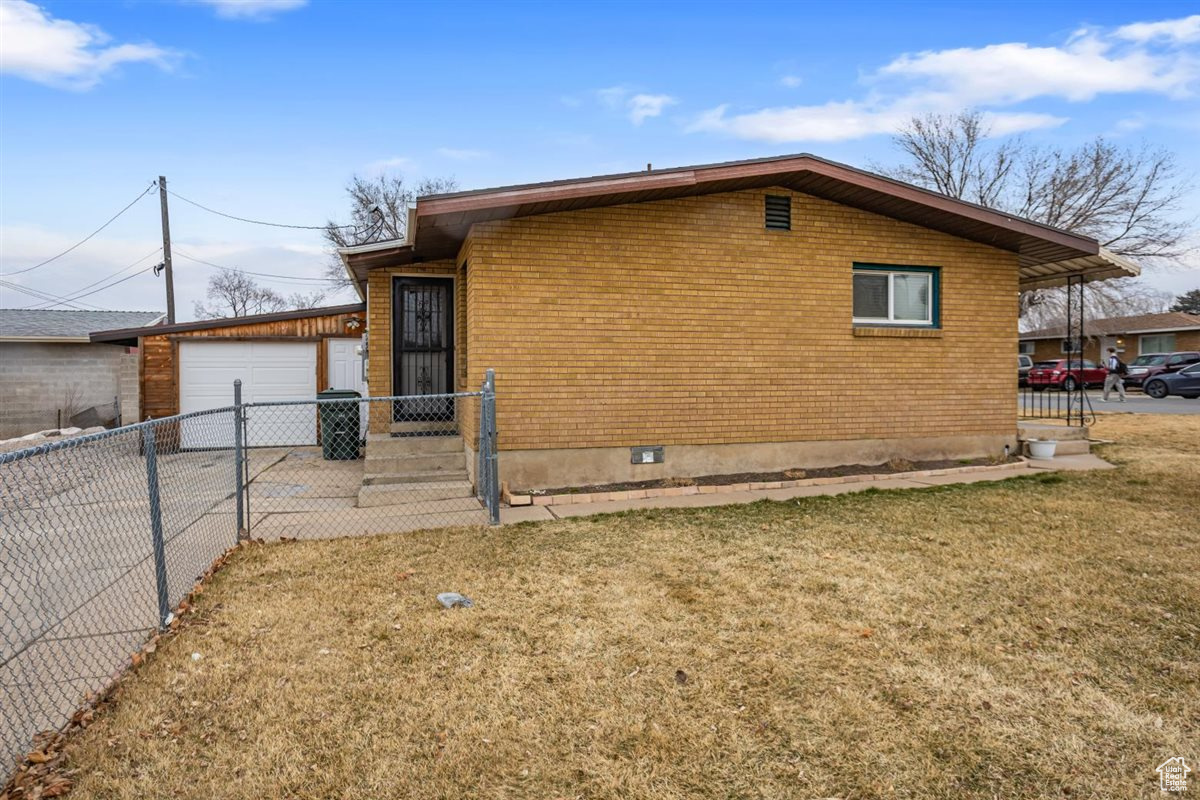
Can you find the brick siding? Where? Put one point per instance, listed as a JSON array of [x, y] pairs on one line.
[[687, 322]]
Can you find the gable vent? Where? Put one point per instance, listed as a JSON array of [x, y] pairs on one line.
[[779, 213]]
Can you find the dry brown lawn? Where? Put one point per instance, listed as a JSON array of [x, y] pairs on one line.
[[1030, 638]]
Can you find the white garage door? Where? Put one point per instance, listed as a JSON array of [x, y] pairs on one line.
[[269, 371]]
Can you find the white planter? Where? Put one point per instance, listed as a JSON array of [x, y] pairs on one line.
[[1042, 448]]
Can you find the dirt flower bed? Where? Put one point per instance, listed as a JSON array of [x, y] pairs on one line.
[[1035, 637], [896, 465]]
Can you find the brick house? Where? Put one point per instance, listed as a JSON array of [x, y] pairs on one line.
[[745, 316], [1131, 336]]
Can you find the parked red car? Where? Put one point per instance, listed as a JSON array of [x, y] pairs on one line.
[[1054, 375]]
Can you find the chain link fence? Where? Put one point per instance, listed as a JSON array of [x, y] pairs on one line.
[[101, 536]]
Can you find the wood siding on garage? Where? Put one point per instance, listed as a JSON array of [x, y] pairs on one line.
[[160, 354]]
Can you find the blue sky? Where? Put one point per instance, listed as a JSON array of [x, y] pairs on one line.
[[265, 109]]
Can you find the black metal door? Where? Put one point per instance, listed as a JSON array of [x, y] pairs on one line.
[[422, 348]]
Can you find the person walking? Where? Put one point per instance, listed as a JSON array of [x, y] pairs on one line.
[[1116, 375]]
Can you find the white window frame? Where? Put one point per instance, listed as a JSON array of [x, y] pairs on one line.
[[891, 292], [1142, 349]]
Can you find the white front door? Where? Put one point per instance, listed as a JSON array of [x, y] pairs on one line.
[[344, 367], [269, 371]]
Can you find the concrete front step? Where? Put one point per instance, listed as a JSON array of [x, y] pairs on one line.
[[1043, 430], [397, 478], [413, 493], [386, 445], [1066, 447], [417, 462]]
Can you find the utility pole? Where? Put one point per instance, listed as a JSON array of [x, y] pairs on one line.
[[166, 232]]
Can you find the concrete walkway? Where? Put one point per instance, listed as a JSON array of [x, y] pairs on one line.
[[1074, 463]]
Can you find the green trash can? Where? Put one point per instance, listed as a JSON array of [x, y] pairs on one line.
[[339, 425]]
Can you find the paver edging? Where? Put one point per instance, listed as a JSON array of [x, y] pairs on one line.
[[526, 499]]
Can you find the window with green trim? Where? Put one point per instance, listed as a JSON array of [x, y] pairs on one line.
[[895, 295]]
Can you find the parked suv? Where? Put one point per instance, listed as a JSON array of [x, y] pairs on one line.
[[1054, 375], [1147, 365], [1024, 364]]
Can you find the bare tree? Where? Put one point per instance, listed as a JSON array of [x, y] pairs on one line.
[[1122, 297], [1129, 199], [298, 300], [236, 294], [378, 213]]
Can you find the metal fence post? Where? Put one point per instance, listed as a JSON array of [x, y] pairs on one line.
[[238, 458], [493, 475], [156, 527]]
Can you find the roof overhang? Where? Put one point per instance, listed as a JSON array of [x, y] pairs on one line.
[[1104, 265], [130, 336], [439, 224], [47, 339], [360, 259]]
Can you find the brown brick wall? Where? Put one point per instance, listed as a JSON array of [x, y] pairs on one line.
[[687, 322], [1184, 340]]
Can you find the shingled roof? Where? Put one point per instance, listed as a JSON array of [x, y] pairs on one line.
[[1139, 323], [43, 325]]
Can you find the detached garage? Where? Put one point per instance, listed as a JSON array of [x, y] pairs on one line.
[[191, 366]]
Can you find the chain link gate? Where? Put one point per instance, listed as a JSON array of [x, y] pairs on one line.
[[103, 535]]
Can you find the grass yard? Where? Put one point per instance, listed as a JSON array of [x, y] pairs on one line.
[[1033, 638]]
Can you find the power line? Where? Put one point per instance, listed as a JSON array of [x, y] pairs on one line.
[[16, 287], [255, 221], [292, 278], [81, 291], [89, 236]]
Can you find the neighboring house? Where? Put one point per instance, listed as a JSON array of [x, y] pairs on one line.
[[747, 316], [290, 355], [50, 372], [1131, 336]]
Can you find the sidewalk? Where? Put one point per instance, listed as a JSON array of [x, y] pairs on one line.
[[1075, 463]]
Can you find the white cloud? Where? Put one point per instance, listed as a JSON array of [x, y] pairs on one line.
[[1011, 73], [460, 155], [644, 106], [992, 78], [840, 121], [791, 81], [62, 53], [252, 9], [639, 107], [388, 164], [1182, 31]]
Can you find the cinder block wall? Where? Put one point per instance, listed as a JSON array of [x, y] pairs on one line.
[[129, 388], [686, 322], [37, 379]]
